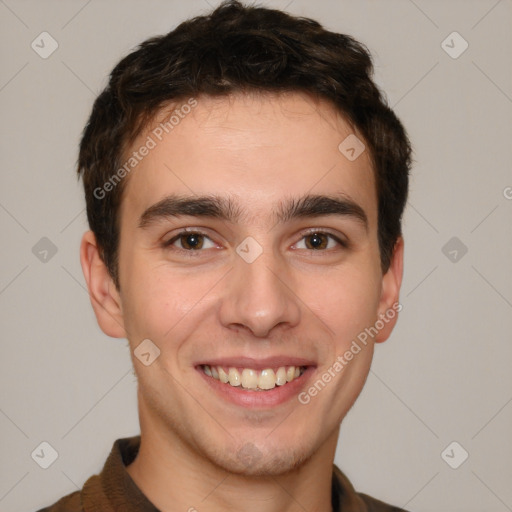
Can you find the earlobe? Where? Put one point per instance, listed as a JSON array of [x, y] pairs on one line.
[[389, 301], [103, 293]]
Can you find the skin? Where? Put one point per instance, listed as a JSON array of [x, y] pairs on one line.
[[293, 301]]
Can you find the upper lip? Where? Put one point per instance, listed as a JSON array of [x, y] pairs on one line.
[[257, 364]]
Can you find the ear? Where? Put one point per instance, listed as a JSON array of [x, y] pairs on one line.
[[389, 305], [103, 293]]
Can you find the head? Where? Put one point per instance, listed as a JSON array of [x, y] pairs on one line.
[[230, 227]]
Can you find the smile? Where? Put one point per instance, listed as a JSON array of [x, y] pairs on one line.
[[254, 380]]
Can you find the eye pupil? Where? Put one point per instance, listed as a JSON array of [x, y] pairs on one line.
[[192, 241], [316, 241]]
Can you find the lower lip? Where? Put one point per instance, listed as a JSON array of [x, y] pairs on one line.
[[258, 399]]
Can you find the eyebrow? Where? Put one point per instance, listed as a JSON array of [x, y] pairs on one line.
[[225, 208]]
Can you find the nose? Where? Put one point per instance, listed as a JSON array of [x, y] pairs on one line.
[[259, 297]]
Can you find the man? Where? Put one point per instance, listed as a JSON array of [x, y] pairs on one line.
[[245, 184]]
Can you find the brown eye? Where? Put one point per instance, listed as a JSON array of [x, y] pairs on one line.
[[191, 241], [316, 241], [319, 241]]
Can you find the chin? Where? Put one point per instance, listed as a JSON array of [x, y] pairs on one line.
[[251, 461]]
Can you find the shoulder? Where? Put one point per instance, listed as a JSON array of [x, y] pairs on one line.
[[69, 503], [346, 499], [374, 505]]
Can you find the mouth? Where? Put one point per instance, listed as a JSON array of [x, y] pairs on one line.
[[254, 380], [257, 383]]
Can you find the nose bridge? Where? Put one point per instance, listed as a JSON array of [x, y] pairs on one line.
[[257, 298]]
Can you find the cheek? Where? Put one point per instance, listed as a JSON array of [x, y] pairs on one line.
[[347, 301], [149, 300], [163, 305], [154, 306]]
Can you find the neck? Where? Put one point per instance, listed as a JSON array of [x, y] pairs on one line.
[[175, 477]]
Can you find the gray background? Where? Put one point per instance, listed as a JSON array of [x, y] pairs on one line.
[[443, 376]]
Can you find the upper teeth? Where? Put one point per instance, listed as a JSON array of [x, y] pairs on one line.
[[254, 379]]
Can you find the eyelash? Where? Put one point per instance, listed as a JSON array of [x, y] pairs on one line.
[[168, 244]]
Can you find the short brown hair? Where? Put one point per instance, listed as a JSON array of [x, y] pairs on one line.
[[233, 49]]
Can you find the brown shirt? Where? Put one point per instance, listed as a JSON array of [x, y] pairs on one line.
[[113, 490]]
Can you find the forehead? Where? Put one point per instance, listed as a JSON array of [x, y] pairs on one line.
[[258, 148]]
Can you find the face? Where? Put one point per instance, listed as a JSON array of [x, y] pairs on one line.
[[249, 256]]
